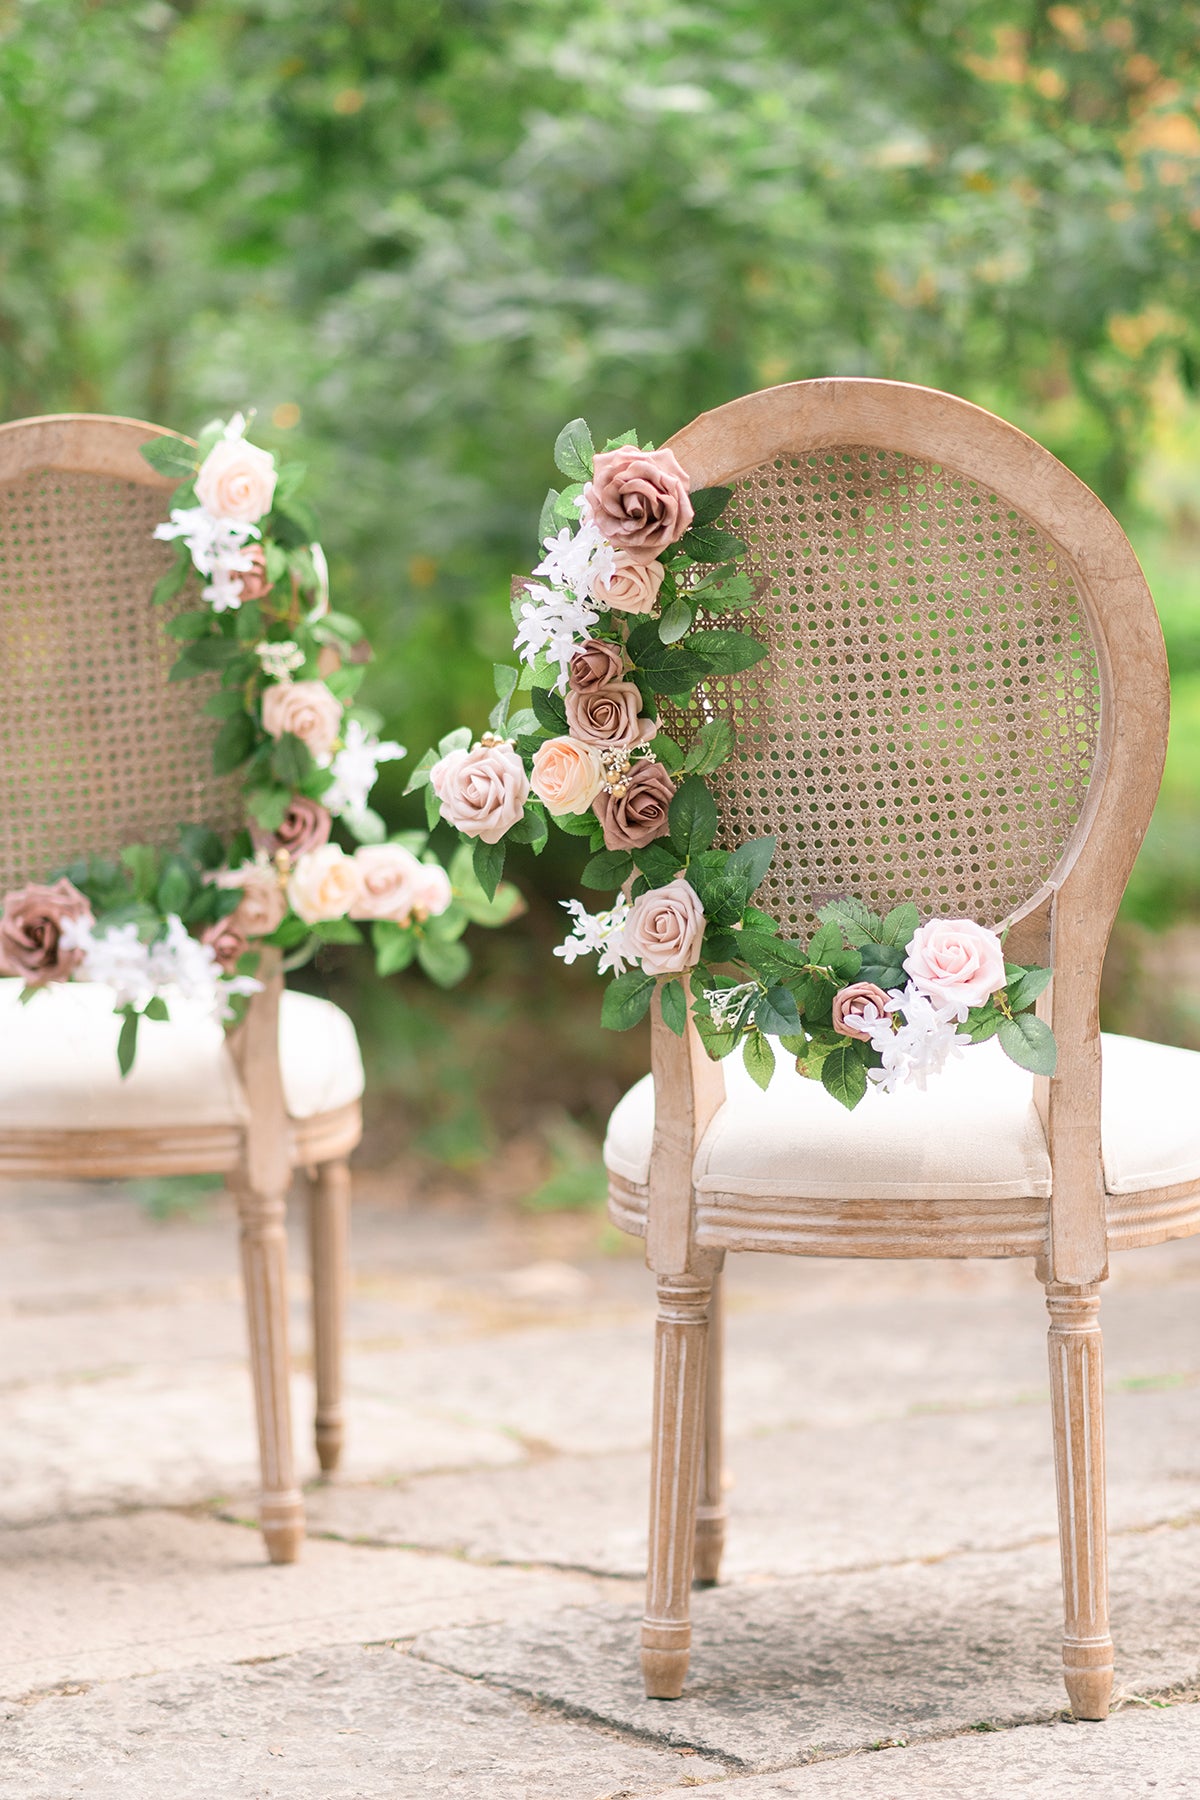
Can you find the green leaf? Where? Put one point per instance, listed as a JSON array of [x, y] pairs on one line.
[[692, 817], [505, 678], [127, 1040], [825, 944], [549, 710], [725, 590], [1029, 1042], [142, 863], [248, 622], [531, 829], [366, 826], [626, 437], [288, 478], [658, 864], [433, 808], [395, 946], [775, 1013], [626, 1000], [726, 652], [883, 964], [444, 963], [982, 1023], [1025, 986], [487, 860], [291, 760], [169, 584], [545, 521], [709, 544], [225, 703], [607, 869], [202, 845], [676, 619], [174, 886], [854, 919], [759, 1059], [576, 824], [459, 739], [344, 683], [754, 858], [708, 504], [574, 451], [713, 746], [267, 806], [170, 456], [188, 625], [420, 775], [899, 925], [293, 931], [337, 931], [673, 1002], [157, 1009], [233, 743], [844, 1074]]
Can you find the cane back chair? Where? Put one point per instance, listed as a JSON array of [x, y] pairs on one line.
[[965, 705], [102, 750]]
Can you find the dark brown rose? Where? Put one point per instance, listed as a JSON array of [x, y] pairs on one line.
[[226, 941], [31, 927], [639, 500], [609, 717], [255, 585], [306, 826], [850, 1005], [596, 664], [639, 815]]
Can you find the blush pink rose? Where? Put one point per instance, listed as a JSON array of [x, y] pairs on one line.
[[433, 892], [854, 1006], [609, 717], [390, 877], [956, 962], [305, 708], [566, 775], [236, 481], [30, 929], [633, 586], [639, 500], [483, 791], [227, 942], [665, 928], [263, 903]]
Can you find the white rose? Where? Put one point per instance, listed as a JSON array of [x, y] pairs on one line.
[[236, 481], [325, 884]]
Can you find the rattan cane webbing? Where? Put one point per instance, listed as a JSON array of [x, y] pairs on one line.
[[926, 723], [98, 749]]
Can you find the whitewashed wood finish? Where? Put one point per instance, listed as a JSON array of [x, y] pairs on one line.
[[712, 1514], [1069, 918], [329, 1225]]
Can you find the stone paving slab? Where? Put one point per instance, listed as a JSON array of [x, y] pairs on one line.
[[354, 1724], [1139, 1754], [788, 1671], [113, 1597]]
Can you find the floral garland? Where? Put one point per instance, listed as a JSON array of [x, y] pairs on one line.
[[618, 612], [189, 923]]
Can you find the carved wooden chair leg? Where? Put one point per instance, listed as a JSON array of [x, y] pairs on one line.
[[264, 1270], [328, 1230], [712, 1513], [1077, 1397], [680, 1368]]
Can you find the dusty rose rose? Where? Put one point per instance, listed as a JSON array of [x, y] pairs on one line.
[[236, 481], [850, 1008], [639, 815], [483, 791], [609, 717], [226, 941], [566, 775], [305, 708], [639, 500], [956, 962], [255, 585], [596, 664], [30, 927], [263, 902], [665, 928], [633, 588], [305, 826], [390, 877], [434, 892], [325, 884]]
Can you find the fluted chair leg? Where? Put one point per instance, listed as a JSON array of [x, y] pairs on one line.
[[328, 1223], [264, 1269], [680, 1369], [711, 1513], [1077, 1397]]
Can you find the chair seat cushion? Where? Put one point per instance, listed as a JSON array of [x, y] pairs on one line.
[[975, 1132], [58, 1063]]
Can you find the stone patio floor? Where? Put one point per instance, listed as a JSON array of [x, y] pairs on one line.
[[464, 1619]]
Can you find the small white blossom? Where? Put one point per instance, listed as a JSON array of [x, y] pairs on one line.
[[217, 548], [177, 964], [279, 661], [602, 932], [726, 1004], [577, 561], [116, 957], [354, 769], [920, 1046], [554, 624]]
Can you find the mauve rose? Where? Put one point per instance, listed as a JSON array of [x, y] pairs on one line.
[[483, 791], [30, 927], [639, 500], [956, 962], [305, 826], [595, 664], [633, 587], [263, 903], [226, 941], [305, 708], [850, 1007], [639, 815], [255, 585], [236, 481], [665, 928], [566, 775], [609, 717]]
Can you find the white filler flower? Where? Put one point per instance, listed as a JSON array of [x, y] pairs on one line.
[[598, 933]]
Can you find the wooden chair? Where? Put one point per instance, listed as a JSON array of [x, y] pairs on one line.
[[100, 750], [965, 705]]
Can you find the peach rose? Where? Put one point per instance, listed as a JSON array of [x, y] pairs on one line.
[[566, 775], [853, 1007], [665, 928], [226, 941], [609, 717], [30, 927], [236, 481], [325, 884], [633, 587], [635, 818], [434, 892], [639, 500], [263, 903], [483, 791], [956, 962], [390, 875], [255, 585], [305, 826], [596, 664], [305, 708]]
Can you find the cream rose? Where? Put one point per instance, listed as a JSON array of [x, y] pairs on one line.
[[609, 717], [483, 791], [390, 876], [305, 708], [433, 892], [633, 587], [639, 500], [263, 903], [665, 928], [236, 481], [566, 775], [325, 884], [956, 962]]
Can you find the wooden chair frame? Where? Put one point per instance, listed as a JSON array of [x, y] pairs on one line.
[[1068, 921], [257, 1158]]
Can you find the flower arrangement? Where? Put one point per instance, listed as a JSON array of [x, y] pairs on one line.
[[191, 922], [628, 603]]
